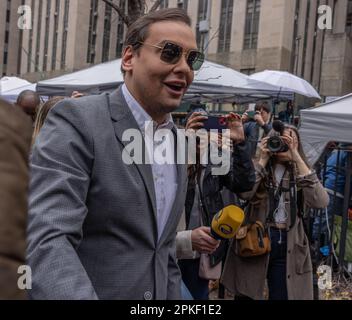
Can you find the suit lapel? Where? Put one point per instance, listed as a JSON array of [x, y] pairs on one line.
[[123, 119], [181, 186]]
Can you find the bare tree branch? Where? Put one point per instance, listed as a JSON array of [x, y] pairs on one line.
[[155, 6], [136, 8], [119, 10]]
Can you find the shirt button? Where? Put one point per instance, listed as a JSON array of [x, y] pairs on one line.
[[288, 277], [148, 295]]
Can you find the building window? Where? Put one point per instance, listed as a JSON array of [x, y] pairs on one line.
[[225, 26], [64, 35], [349, 18], [120, 31], [164, 4], [30, 44], [8, 13], [5, 58], [252, 24], [107, 29], [46, 42], [182, 4], [248, 71], [56, 33], [92, 35], [305, 42], [6, 36], [20, 48], [202, 16], [38, 36]]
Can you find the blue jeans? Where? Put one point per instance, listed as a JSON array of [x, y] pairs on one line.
[[277, 265], [186, 295], [198, 287]]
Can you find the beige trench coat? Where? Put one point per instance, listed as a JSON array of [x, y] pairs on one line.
[[246, 276]]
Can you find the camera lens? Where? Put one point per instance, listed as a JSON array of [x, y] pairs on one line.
[[275, 144]]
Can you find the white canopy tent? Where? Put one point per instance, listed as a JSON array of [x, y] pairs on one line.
[[287, 81], [11, 87], [329, 122], [11, 95], [11, 83], [212, 81]]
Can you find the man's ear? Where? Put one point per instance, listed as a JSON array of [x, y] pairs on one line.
[[127, 59]]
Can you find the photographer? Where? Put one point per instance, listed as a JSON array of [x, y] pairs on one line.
[[284, 186], [204, 200], [258, 126]]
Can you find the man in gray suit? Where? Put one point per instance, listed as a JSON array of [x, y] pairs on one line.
[[98, 227]]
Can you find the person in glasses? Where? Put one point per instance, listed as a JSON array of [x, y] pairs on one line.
[[100, 228]]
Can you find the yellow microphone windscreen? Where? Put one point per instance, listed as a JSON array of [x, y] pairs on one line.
[[226, 222]]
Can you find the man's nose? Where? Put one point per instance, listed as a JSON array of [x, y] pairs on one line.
[[182, 65]]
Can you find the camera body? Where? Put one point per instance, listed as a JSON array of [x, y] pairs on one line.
[[251, 115], [275, 143], [216, 123]]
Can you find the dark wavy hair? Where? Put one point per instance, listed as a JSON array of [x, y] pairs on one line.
[[300, 148], [138, 31]]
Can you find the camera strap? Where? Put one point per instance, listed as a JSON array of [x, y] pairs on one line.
[[293, 197], [204, 212], [275, 192]]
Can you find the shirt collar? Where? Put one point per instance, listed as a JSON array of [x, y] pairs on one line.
[[141, 115]]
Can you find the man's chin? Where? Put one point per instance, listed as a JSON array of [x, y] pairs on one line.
[[172, 106]]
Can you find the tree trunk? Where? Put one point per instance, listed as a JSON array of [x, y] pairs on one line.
[[136, 8]]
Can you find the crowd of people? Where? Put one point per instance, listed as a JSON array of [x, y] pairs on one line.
[[98, 228]]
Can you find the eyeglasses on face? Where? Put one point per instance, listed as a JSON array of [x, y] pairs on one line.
[[172, 53]]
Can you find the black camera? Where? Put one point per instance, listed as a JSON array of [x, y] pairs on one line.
[[275, 143], [251, 115], [215, 122]]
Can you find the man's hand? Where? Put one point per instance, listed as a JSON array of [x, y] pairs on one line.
[[259, 119], [245, 117], [265, 153], [234, 123], [202, 241], [76, 94]]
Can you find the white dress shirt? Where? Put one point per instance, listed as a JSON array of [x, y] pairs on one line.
[[165, 175]]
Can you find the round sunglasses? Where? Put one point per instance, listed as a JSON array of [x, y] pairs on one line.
[[172, 53]]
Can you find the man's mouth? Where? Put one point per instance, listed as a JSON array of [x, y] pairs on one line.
[[176, 87]]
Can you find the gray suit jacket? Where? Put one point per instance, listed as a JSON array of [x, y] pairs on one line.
[[92, 221]]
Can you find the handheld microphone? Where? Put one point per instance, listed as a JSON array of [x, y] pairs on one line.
[[226, 222]]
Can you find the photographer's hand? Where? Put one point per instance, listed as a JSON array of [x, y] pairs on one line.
[[196, 121], [259, 119], [295, 156], [245, 117], [265, 153], [234, 123]]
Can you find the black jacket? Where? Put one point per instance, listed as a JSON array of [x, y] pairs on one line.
[[240, 178]]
